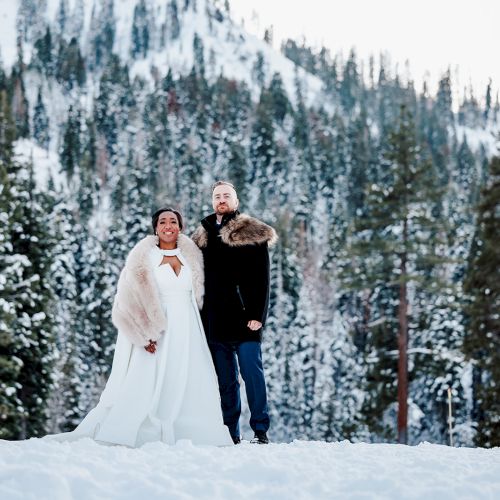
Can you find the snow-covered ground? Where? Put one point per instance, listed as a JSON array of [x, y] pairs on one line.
[[39, 469]]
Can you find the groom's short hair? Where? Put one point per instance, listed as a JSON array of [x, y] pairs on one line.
[[222, 183]]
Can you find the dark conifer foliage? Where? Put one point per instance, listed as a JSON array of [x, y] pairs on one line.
[[72, 142], [70, 66], [19, 101], [44, 58], [41, 122], [141, 28], [10, 366], [482, 340], [173, 19], [396, 245], [102, 33], [28, 337]]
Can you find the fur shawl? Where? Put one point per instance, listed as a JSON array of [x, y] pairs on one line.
[[240, 231], [137, 310]]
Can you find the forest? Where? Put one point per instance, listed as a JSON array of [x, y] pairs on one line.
[[385, 198]]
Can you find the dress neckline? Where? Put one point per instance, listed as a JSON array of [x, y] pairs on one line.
[[169, 253]]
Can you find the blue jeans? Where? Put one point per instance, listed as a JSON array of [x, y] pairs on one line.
[[250, 364]]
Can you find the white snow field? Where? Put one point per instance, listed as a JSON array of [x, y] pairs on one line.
[[40, 469]]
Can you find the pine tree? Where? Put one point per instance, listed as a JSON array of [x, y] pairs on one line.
[[43, 58], [140, 201], [229, 117], [141, 26], [466, 174], [444, 99], [113, 104], [350, 84], [173, 20], [77, 20], [102, 34], [338, 399], [26, 18], [360, 164], [64, 411], [19, 101], [280, 103], [70, 66], [488, 103], [71, 147], [279, 345], [62, 17], [41, 122], [262, 143], [33, 327], [259, 69], [199, 55], [303, 364], [10, 267], [10, 366], [396, 242], [482, 339], [301, 123], [88, 184], [96, 281]]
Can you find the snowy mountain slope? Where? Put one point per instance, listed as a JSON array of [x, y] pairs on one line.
[[477, 138], [8, 52], [235, 53], [228, 49], [47, 162], [37, 469]]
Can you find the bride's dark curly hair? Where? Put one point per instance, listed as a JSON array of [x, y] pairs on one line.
[[156, 216]]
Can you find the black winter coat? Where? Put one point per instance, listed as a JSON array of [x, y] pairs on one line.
[[236, 260]]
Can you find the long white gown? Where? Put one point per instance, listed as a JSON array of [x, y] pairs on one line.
[[166, 396]]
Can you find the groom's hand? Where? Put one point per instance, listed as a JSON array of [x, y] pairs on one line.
[[254, 324]]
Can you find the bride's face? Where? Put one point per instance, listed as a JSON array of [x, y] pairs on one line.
[[167, 227]]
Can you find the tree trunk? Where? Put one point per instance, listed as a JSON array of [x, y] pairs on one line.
[[402, 348]]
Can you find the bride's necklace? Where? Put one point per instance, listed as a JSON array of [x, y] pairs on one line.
[[170, 253]]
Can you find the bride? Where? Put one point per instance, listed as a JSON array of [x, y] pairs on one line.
[[162, 386]]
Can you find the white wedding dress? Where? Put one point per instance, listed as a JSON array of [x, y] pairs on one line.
[[166, 396]]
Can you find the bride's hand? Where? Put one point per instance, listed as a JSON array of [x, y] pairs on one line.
[[151, 347]]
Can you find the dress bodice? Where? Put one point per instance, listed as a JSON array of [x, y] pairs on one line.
[[167, 281]]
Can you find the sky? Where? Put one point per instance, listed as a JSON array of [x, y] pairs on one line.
[[431, 34]]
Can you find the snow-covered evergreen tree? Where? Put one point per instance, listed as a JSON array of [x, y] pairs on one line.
[[41, 122], [483, 328]]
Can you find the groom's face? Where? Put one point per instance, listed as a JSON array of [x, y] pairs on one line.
[[224, 200]]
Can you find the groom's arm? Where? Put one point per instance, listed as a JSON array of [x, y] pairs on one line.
[[254, 284]]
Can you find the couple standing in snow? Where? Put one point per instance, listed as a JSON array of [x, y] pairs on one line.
[[174, 369]]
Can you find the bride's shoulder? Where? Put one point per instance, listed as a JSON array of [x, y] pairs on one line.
[[188, 247], [143, 251]]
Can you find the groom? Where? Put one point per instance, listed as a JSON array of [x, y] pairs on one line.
[[235, 251]]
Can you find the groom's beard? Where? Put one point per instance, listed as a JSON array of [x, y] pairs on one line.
[[223, 209]]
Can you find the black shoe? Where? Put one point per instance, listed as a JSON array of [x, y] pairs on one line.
[[260, 438], [236, 439]]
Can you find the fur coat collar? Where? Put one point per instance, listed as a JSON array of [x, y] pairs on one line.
[[137, 309], [238, 230]]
